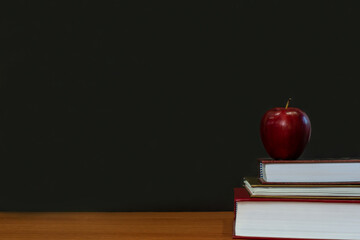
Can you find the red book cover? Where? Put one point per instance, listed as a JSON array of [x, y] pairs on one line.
[[272, 161], [263, 161], [240, 194]]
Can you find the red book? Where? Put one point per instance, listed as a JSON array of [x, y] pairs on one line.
[[274, 218], [329, 171]]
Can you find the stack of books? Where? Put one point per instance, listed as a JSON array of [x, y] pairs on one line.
[[300, 199]]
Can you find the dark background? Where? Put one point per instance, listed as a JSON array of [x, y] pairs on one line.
[[155, 106]]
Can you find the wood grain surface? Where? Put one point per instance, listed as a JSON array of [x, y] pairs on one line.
[[116, 225]]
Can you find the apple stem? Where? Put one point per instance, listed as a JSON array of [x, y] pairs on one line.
[[287, 104]]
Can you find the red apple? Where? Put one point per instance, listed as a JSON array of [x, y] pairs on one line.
[[285, 132]]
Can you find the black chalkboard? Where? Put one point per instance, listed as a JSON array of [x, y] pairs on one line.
[[149, 106]]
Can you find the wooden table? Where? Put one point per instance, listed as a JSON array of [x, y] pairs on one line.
[[115, 225]]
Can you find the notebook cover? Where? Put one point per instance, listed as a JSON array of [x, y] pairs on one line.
[[256, 182], [307, 183], [272, 161], [240, 194]]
